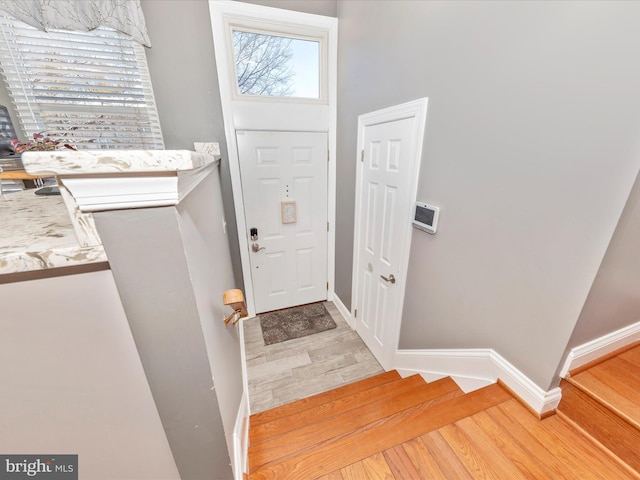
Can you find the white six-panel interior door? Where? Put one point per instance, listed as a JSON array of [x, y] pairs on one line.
[[284, 188], [391, 145]]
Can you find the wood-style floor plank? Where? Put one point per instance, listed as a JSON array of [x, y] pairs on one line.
[[319, 399], [382, 435], [505, 438], [474, 462], [527, 439], [374, 467], [400, 463], [331, 476], [446, 457], [338, 407], [485, 446], [316, 434], [424, 462]]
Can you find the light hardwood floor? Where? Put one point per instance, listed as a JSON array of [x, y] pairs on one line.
[[387, 427], [295, 369]]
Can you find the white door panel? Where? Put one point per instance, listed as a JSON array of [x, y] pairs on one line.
[[290, 268], [385, 194]]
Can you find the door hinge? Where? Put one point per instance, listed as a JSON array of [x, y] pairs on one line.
[[362, 155], [355, 314], [327, 226], [327, 286], [328, 155]]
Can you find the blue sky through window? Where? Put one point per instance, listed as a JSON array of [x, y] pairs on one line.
[[276, 66], [305, 62]]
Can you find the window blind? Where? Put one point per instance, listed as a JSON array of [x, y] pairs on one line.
[[92, 89]]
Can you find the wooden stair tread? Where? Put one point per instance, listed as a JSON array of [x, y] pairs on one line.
[[578, 457], [344, 421], [376, 437], [602, 423], [617, 394], [516, 433], [632, 355], [331, 408], [319, 399]]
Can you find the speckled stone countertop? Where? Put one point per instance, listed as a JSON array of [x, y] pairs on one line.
[[36, 233], [69, 162], [40, 233]]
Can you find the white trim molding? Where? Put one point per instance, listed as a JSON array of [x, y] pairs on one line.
[[119, 192], [475, 368], [102, 180], [241, 439], [344, 311], [583, 354]]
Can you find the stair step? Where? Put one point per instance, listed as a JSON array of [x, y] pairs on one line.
[[602, 400], [573, 455], [377, 436], [319, 399], [331, 408], [615, 383], [604, 424], [343, 421]]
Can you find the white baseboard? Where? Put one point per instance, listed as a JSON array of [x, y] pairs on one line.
[[540, 400], [241, 439], [476, 368], [346, 314], [599, 347]]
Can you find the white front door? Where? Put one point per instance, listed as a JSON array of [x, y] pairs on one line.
[[284, 188], [387, 180]]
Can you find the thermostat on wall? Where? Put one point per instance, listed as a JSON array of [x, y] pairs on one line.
[[425, 217]]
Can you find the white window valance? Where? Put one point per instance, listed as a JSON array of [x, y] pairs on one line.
[[81, 15]]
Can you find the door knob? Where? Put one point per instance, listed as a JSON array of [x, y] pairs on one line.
[[391, 278], [256, 248]]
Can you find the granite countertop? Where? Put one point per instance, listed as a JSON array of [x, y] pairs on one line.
[[37, 234], [42, 233], [70, 162]]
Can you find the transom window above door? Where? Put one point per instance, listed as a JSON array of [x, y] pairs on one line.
[[273, 65]]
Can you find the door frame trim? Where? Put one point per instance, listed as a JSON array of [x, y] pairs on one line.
[[221, 11], [416, 109]]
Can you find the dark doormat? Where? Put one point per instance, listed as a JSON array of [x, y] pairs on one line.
[[296, 322]]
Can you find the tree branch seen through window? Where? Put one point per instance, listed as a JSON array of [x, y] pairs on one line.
[[262, 64]]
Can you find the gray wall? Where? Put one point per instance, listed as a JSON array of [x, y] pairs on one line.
[[182, 65], [614, 299], [531, 150], [318, 7]]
